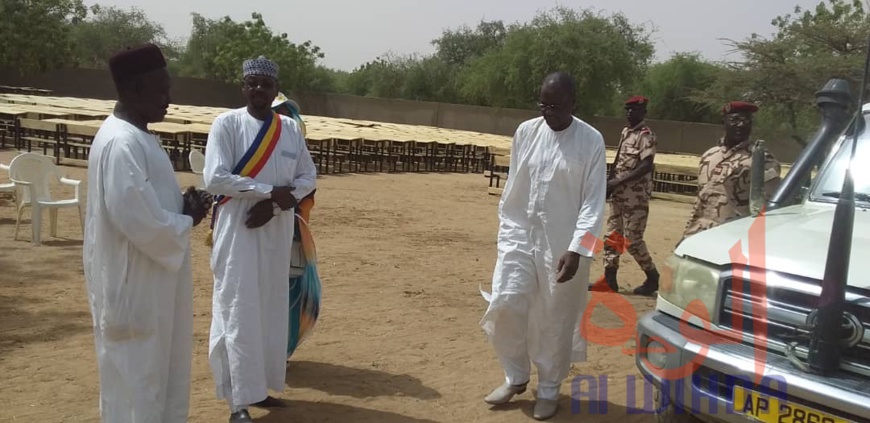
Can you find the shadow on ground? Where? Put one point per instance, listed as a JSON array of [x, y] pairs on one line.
[[26, 319], [354, 382], [21, 327], [309, 412], [582, 411]]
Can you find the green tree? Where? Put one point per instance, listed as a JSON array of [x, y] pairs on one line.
[[783, 72], [35, 34], [338, 79], [430, 79], [409, 77], [672, 85], [217, 48], [109, 29], [460, 46], [382, 77], [603, 53]]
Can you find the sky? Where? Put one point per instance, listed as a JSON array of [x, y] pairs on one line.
[[352, 32]]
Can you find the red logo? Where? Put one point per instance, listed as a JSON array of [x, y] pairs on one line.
[[706, 335]]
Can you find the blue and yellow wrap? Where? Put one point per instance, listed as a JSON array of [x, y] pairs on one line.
[[305, 290], [287, 107]]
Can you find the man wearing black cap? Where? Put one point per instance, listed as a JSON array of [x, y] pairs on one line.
[[137, 252]]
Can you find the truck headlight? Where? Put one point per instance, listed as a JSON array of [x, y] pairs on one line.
[[691, 286]]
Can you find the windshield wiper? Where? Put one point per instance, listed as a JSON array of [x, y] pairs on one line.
[[860, 196]]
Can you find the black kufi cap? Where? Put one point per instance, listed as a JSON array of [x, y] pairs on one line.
[[135, 61]]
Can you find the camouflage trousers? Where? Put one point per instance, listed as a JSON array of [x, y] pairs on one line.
[[626, 224], [696, 225]]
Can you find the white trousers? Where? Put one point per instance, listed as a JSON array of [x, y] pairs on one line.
[[533, 319]]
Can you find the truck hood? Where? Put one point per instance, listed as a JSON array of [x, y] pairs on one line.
[[796, 242]]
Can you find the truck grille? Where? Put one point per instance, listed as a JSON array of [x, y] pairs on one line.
[[788, 303]]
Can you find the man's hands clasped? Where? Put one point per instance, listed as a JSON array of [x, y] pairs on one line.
[[283, 196], [264, 211], [197, 203], [260, 214]]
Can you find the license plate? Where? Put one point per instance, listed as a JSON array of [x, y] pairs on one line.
[[768, 409]]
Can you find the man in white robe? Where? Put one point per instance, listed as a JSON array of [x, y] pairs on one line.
[[550, 216], [136, 253], [253, 234]]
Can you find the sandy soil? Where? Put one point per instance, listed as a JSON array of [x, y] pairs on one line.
[[401, 259]]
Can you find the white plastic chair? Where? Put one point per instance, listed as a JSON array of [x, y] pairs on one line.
[[197, 161], [7, 187], [197, 164], [32, 173]]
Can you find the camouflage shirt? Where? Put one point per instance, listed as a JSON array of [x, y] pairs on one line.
[[723, 185], [635, 145]]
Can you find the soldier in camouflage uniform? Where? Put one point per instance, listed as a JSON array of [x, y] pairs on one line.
[[629, 187], [723, 176]]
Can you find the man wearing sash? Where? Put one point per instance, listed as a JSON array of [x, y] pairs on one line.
[[258, 166]]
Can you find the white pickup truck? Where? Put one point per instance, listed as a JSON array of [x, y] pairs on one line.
[[728, 341]]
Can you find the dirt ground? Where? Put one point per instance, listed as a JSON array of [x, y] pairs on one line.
[[401, 259]]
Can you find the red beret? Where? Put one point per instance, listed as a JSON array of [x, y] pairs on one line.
[[135, 61], [638, 99], [739, 106]]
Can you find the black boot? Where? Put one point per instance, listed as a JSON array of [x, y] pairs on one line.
[[650, 285], [610, 277], [606, 282]]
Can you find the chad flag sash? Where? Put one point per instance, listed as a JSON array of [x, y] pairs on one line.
[[253, 161]]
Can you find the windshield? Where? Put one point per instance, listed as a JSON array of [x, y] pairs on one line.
[[830, 181]]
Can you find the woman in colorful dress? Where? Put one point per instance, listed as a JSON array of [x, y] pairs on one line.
[[304, 280]]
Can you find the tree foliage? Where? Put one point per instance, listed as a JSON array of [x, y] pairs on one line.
[[492, 64], [217, 48], [671, 87], [93, 46], [36, 34], [409, 77], [603, 53], [460, 46], [782, 73]]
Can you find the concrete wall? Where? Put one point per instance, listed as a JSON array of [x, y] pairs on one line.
[[673, 137]]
